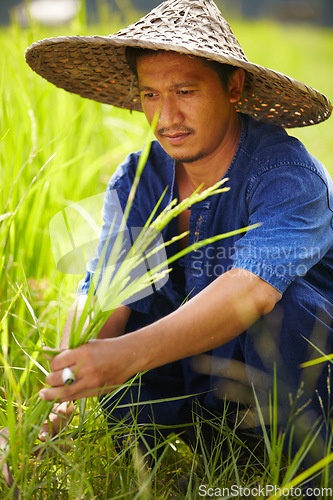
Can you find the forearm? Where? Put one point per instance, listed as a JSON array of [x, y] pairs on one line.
[[222, 311]]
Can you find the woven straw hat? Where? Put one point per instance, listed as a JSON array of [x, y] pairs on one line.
[[96, 67]]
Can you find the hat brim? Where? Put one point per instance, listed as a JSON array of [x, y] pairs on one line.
[[95, 67]]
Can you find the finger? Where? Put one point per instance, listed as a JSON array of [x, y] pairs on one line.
[[58, 394], [44, 433], [66, 358], [62, 411], [59, 416], [55, 378], [75, 391], [50, 427]]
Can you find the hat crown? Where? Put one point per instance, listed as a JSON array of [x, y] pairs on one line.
[[186, 24]]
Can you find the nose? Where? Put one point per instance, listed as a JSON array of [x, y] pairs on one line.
[[169, 113]]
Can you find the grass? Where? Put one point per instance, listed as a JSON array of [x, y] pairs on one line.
[[56, 147]]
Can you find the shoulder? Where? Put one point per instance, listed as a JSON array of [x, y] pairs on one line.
[[271, 145], [269, 151]]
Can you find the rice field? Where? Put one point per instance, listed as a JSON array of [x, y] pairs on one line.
[[56, 148]]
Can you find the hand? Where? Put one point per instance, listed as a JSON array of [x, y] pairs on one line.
[[60, 415], [99, 366]]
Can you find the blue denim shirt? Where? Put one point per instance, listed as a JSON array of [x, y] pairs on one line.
[[273, 180]]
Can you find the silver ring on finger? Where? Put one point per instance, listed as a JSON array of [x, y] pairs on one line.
[[68, 376]]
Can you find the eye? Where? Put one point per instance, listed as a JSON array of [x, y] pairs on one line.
[[185, 92], [149, 95]]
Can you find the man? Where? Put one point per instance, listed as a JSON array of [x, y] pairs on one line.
[[256, 300]]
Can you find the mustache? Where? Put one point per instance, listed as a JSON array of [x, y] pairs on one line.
[[175, 130]]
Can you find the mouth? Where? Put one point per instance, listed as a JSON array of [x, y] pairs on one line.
[[176, 138]]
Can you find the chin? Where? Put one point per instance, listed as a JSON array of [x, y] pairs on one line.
[[187, 158]]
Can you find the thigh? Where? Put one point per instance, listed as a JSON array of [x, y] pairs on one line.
[[275, 350], [296, 331]]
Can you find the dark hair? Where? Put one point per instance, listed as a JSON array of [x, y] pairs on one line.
[[224, 71]]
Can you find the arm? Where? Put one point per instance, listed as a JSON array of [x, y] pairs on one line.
[[226, 308]]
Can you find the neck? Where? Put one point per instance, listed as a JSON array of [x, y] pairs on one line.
[[211, 168]]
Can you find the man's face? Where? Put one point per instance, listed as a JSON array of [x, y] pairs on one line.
[[194, 110]]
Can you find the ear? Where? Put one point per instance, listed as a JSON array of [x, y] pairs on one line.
[[235, 85]]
